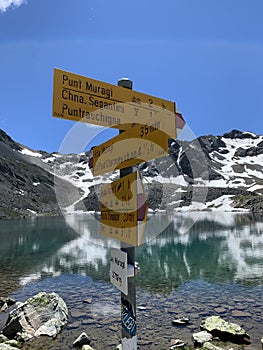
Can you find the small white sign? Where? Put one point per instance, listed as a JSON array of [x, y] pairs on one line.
[[118, 270], [129, 344]]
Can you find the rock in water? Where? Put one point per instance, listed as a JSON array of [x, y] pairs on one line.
[[225, 330], [177, 344], [210, 346], [43, 314], [83, 339], [4, 346], [201, 337], [5, 303], [183, 321]]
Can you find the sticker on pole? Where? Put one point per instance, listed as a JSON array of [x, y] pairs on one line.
[[118, 269]]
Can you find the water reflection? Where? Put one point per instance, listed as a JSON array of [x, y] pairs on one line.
[[217, 247], [25, 245]]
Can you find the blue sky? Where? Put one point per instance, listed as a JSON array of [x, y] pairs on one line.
[[205, 55]]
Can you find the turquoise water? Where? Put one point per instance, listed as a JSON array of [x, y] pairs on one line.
[[192, 265]]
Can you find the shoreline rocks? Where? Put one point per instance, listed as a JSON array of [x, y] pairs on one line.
[[83, 339], [42, 314], [202, 337], [36, 314], [5, 303], [225, 330], [182, 321]]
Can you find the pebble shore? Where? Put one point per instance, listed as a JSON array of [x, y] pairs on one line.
[[95, 309]]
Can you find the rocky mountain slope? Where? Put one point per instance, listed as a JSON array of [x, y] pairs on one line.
[[208, 173], [26, 183], [215, 172]]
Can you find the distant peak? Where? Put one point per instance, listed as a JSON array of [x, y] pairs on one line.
[[4, 136], [237, 134], [8, 140]]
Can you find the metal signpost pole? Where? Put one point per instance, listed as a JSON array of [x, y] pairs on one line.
[[128, 302], [80, 98]]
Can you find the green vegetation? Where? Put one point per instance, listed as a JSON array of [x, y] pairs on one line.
[[245, 198], [251, 202]]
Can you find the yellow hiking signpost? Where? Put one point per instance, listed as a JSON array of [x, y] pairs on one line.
[[146, 123], [91, 101], [124, 209], [138, 144]]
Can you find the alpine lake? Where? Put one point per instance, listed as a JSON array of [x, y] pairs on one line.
[[194, 265]]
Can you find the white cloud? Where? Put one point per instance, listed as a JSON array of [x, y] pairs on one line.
[[5, 4]]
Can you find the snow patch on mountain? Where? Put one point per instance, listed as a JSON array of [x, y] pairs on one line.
[[29, 152], [224, 167], [215, 173]]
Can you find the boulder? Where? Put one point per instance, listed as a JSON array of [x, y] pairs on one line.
[[5, 303], [201, 337], [83, 339], [183, 321], [86, 347], [42, 314], [7, 344], [4, 346], [210, 346], [225, 330], [177, 344]]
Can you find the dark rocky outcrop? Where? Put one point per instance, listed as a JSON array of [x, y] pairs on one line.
[[250, 152], [91, 202], [211, 143], [26, 188], [236, 134], [252, 202], [155, 196]]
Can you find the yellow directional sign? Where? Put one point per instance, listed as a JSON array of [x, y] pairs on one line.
[[124, 209], [120, 195], [138, 144], [79, 98]]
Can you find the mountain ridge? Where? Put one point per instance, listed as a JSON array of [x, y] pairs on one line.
[[207, 173]]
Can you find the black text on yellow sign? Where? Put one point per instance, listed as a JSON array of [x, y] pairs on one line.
[[87, 100], [124, 209], [134, 146]]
